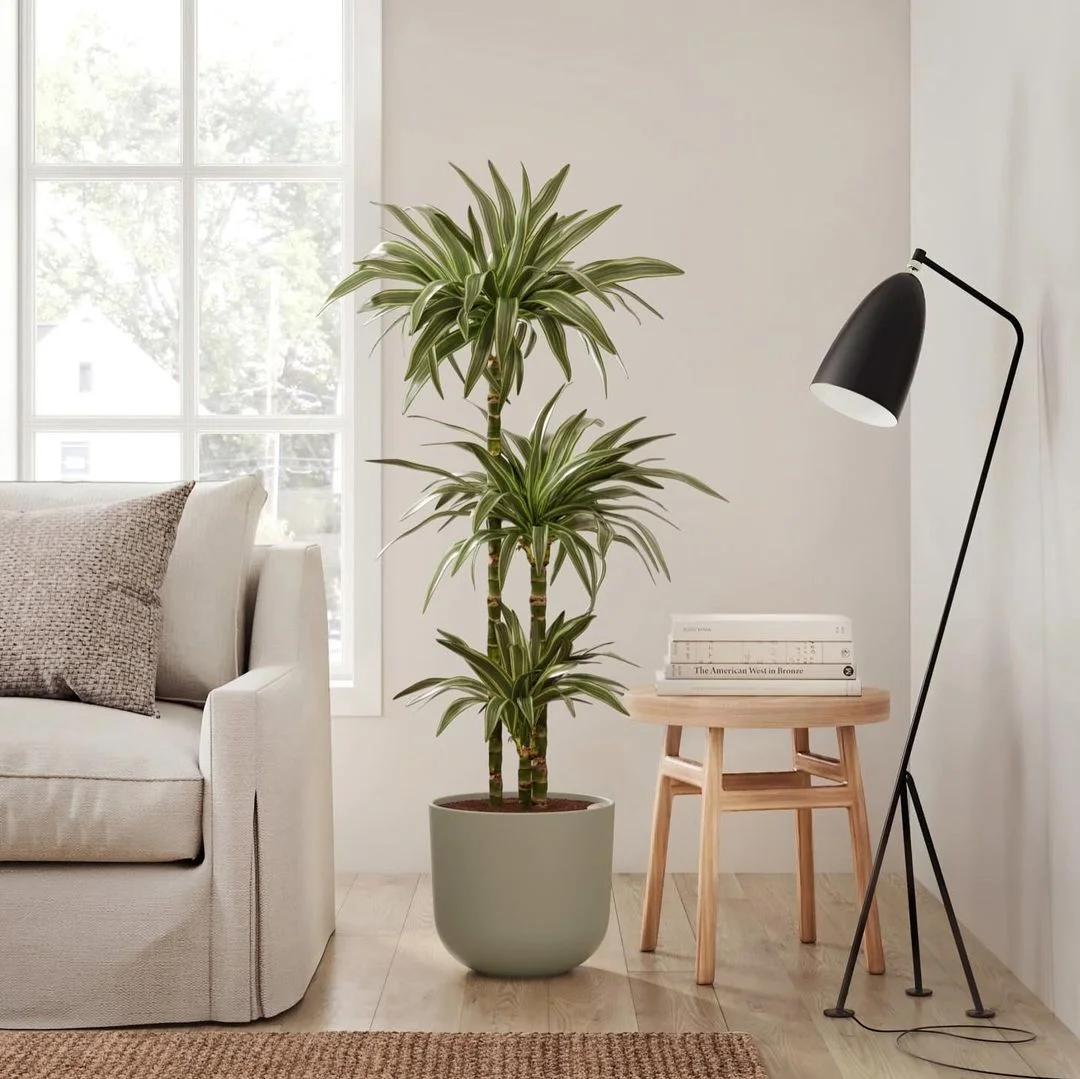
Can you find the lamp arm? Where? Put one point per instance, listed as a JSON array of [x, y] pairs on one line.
[[920, 256]]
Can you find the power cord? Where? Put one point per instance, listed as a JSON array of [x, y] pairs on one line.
[[949, 1030]]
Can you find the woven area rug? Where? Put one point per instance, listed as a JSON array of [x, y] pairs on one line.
[[346, 1054]]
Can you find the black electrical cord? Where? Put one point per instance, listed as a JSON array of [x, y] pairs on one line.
[[949, 1030]]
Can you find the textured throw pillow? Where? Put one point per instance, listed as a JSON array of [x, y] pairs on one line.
[[80, 603]]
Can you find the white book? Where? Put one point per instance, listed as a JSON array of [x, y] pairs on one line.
[[760, 651], [804, 671], [757, 687], [760, 627]]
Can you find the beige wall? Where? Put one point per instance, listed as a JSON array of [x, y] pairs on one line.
[[995, 182], [764, 148]]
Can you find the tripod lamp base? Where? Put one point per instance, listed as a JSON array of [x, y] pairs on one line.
[[840, 1013], [919, 991], [980, 1013]]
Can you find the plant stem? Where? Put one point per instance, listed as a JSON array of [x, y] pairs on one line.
[[537, 629], [494, 597], [525, 778]]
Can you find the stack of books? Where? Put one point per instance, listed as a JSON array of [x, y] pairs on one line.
[[735, 655]]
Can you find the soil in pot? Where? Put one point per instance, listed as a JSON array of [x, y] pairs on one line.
[[512, 805]]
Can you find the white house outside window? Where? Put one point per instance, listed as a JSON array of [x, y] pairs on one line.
[[189, 196]]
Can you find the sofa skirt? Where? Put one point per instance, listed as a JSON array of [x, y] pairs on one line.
[[104, 945]]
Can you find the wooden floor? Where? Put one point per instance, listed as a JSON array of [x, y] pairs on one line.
[[386, 970]]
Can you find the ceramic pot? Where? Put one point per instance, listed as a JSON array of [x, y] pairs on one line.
[[521, 894]]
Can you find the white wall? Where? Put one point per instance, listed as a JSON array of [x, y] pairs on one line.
[[995, 182], [764, 148]]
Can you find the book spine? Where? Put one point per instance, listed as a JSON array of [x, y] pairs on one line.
[[763, 687], [698, 629], [760, 651], [808, 671]]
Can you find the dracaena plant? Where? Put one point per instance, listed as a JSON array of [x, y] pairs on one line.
[[513, 687], [555, 500], [474, 299], [557, 503]]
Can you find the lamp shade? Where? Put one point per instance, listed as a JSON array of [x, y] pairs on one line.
[[867, 372]]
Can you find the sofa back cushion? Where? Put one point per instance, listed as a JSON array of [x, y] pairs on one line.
[[203, 642]]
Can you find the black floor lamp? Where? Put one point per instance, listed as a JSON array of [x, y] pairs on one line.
[[866, 375]]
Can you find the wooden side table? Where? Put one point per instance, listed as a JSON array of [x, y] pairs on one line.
[[723, 792]]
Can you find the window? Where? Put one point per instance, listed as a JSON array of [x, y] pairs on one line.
[[196, 175]]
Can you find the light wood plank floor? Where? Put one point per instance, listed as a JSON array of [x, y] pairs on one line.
[[386, 970]]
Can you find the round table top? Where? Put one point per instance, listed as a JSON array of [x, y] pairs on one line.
[[783, 713]]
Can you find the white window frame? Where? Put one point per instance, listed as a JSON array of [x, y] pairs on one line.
[[9, 243], [359, 424]]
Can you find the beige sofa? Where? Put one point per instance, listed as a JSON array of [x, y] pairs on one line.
[[176, 869]]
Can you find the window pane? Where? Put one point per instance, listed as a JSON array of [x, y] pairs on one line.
[[269, 81], [302, 476], [115, 456], [107, 80], [107, 289], [269, 253]]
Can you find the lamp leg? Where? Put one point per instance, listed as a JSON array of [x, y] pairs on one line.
[[918, 989], [840, 1010], [978, 1009]]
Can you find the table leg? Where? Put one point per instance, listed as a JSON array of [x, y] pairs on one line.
[[860, 846], [711, 801], [804, 851], [658, 847]]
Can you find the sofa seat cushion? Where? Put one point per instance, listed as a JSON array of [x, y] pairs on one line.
[[81, 783]]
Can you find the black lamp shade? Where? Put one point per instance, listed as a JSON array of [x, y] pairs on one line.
[[867, 372]]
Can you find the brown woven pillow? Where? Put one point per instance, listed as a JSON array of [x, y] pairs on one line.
[[80, 606]]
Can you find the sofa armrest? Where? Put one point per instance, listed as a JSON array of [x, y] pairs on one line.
[[267, 811], [289, 622]]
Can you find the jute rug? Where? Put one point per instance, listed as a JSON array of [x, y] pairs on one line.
[[351, 1055]]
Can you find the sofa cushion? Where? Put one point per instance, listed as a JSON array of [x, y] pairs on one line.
[[80, 603], [203, 644], [81, 783]]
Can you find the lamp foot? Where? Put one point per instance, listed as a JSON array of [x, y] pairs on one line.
[[919, 991], [840, 1013], [980, 1013]]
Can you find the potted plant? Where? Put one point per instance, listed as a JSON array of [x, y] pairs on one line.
[[475, 299]]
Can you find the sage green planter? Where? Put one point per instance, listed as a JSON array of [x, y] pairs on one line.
[[521, 894]]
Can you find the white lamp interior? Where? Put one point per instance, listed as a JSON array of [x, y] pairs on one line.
[[853, 405]]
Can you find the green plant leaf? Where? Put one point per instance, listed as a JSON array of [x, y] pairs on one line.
[[556, 339], [454, 710], [583, 282], [606, 272], [481, 350], [507, 209], [488, 211], [479, 249], [547, 195], [577, 313], [506, 311], [556, 249], [474, 283], [416, 312], [404, 218]]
